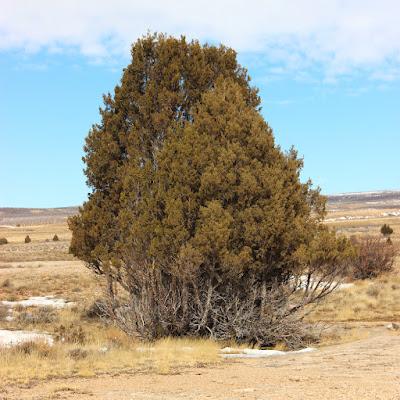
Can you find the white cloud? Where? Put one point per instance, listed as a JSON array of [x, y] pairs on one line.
[[338, 35]]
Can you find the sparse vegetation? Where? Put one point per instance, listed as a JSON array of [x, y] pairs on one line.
[[3, 241], [27, 239], [55, 238]]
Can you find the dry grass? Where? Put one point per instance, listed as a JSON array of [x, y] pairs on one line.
[[89, 347], [66, 279], [105, 350], [369, 300], [42, 247]]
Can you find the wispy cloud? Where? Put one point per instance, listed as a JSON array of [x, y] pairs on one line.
[[337, 36]]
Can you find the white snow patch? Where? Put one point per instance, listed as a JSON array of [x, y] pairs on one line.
[[39, 301], [303, 280], [345, 286], [228, 352], [13, 338]]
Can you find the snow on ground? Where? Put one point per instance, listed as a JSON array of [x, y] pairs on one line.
[[39, 301], [12, 338], [314, 282], [228, 352]]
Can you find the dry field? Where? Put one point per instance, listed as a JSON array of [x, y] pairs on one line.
[[357, 358]]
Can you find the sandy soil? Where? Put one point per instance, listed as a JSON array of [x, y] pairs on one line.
[[367, 369]]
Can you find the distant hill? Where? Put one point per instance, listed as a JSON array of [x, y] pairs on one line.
[[32, 216], [382, 199]]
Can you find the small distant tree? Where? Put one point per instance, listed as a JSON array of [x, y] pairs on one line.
[[55, 238], [387, 231], [3, 241], [27, 239]]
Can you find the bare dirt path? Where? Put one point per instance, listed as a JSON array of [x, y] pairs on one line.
[[367, 369]]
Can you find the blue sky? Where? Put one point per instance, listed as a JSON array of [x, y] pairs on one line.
[[328, 73]]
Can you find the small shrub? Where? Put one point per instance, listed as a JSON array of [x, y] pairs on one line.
[[3, 312], [373, 291], [55, 238], [44, 315], [70, 334], [6, 283], [3, 241], [374, 257], [78, 354], [386, 230], [97, 310], [27, 239], [41, 348], [25, 318]]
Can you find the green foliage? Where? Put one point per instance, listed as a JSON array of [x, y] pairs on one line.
[[187, 181], [27, 239]]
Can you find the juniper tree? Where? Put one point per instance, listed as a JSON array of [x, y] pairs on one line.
[[195, 212], [387, 231]]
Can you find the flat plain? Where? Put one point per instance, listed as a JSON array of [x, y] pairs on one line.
[[358, 357]]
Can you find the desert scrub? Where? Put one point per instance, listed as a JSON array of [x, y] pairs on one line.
[[3, 241], [374, 257]]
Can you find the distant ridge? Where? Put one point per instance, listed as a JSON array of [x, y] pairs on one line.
[[32, 216], [383, 197]]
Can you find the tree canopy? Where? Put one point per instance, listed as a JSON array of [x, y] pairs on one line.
[[189, 186]]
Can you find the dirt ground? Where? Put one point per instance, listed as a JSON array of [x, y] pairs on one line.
[[366, 369]]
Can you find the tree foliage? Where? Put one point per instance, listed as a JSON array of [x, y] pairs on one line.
[[195, 211]]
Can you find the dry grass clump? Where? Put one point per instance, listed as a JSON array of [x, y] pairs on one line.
[[3, 312], [72, 333], [36, 316], [6, 284]]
